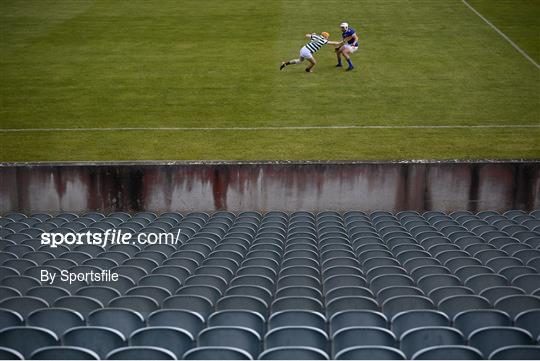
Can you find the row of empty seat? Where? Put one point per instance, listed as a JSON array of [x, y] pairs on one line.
[[324, 285]]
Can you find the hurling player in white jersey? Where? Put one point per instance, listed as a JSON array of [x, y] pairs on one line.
[[307, 51]]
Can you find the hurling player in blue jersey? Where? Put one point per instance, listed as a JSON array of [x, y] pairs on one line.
[[350, 45]]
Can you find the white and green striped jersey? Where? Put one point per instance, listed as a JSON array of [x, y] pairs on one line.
[[316, 43]]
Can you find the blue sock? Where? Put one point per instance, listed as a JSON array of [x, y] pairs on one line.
[[339, 61], [350, 63]]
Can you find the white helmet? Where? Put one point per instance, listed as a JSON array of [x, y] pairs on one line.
[[344, 25]]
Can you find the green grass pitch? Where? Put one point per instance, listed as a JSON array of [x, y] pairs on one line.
[[192, 63]]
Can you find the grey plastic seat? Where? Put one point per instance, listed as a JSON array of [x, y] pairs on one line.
[[27, 339], [482, 282], [472, 320], [419, 338], [218, 282], [356, 318], [188, 320], [407, 320], [142, 304], [23, 305], [347, 291], [514, 305], [82, 304], [529, 320], [20, 283], [430, 282], [10, 354], [448, 353], [167, 282], [101, 340], [346, 303], [10, 318], [210, 292], [493, 294], [174, 339], [249, 303], [390, 280], [293, 353], [516, 353], [529, 282], [455, 304], [63, 353], [340, 281], [294, 336], [198, 304], [140, 353], [249, 319], [123, 320], [103, 294], [47, 293], [216, 353], [395, 291], [440, 293], [489, 339], [361, 336], [239, 337], [57, 320], [395, 305], [7, 292], [290, 291], [370, 353]]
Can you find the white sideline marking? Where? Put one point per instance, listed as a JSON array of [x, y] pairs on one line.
[[521, 51], [487, 126]]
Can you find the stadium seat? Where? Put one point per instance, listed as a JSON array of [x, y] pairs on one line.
[[356, 318], [23, 305], [516, 353], [448, 353], [190, 321], [489, 339], [101, 340], [57, 320], [10, 354], [515, 304], [63, 353], [419, 338], [407, 320], [140, 353], [370, 353], [370, 336], [294, 336], [293, 353], [10, 318], [455, 304], [173, 339], [249, 319], [124, 320], [529, 320], [27, 339], [216, 353], [471, 320], [230, 336]]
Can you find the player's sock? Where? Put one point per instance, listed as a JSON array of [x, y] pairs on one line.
[[294, 61], [350, 63], [339, 62]]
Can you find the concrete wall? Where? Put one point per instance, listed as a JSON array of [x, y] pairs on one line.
[[184, 186]]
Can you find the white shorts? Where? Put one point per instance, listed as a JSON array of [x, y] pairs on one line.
[[305, 53], [351, 48]]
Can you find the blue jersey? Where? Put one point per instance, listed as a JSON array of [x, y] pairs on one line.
[[350, 32]]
